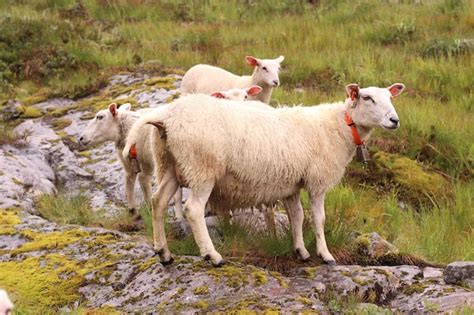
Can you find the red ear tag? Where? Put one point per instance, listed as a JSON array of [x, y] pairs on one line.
[[133, 152]]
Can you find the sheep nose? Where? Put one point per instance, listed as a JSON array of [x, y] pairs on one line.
[[276, 82], [395, 121]]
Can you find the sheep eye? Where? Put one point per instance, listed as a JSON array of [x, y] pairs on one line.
[[265, 68], [246, 96], [366, 98]]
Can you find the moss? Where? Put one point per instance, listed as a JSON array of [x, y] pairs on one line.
[[29, 112], [86, 154], [17, 181], [384, 272], [201, 290], [119, 89], [52, 240], [161, 82], [259, 277], [40, 280], [360, 281], [310, 272], [279, 278], [304, 300], [148, 263], [201, 305], [164, 286], [415, 183], [111, 161], [59, 112], [414, 288], [87, 116], [235, 276], [33, 99], [448, 290], [8, 220], [60, 123]]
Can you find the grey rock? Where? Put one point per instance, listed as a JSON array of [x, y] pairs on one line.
[[460, 273], [372, 245], [11, 110]]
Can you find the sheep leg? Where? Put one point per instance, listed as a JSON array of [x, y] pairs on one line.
[[160, 200], [178, 204], [269, 214], [319, 217], [145, 185], [295, 212], [130, 179], [194, 212]]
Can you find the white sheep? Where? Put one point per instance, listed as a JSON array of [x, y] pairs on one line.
[[238, 94], [206, 79], [113, 124], [6, 306], [239, 156]]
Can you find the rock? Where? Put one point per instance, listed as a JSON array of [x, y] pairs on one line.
[[99, 268], [372, 246], [460, 273], [254, 220], [11, 110]]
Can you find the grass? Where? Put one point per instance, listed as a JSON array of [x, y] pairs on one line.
[[66, 48]]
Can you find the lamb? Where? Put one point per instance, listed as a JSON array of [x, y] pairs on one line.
[[113, 124], [240, 156], [238, 94], [206, 79], [6, 306]]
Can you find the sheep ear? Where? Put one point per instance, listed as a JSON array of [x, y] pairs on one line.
[[113, 109], [218, 95], [352, 91], [396, 89], [252, 61], [254, 90], [280, 59], [125, 107]]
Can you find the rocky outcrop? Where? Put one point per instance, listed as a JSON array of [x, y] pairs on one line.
[[49, 158], [58, 266], [460, 273]]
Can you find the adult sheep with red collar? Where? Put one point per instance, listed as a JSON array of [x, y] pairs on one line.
[[240, 156]]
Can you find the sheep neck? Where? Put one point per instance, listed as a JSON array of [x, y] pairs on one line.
[[346, 132], [267, 90], [125, 124]]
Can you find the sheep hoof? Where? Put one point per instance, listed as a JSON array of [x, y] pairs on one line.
[[331, 263], [220, 263], [168, 262], [163, 260], [299, 254]]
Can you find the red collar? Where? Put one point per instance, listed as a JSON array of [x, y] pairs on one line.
[[355, 133]]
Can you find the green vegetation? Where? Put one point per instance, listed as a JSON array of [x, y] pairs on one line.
[[66, 209]]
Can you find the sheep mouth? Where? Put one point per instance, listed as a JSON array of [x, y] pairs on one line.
[[391, 127]]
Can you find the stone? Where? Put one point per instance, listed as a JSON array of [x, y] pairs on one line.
[[460, 273], [372, 245]]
